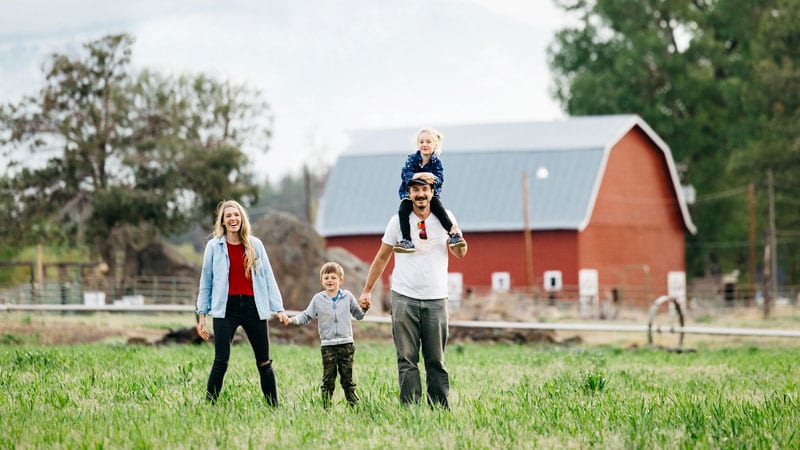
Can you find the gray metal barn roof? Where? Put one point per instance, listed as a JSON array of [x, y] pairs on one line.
[[483, 169]]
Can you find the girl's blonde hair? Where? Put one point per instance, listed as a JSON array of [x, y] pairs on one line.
[[436, 135], [244, 232]]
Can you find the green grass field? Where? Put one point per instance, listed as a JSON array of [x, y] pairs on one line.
[[108, 395]]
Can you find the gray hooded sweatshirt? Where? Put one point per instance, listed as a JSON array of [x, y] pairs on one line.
[[334, 317]]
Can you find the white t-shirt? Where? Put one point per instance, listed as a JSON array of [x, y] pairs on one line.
[[423, 274]]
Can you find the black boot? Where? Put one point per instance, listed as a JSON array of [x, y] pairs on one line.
[[351, 396], [268, 384]]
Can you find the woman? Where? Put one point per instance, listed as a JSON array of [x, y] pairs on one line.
[[238, 288]]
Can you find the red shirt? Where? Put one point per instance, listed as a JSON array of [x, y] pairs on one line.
[[238, 284]]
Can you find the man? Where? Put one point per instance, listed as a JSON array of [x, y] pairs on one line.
[[419, 296]]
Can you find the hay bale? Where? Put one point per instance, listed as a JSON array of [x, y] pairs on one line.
[[160, 258], [295, 252]]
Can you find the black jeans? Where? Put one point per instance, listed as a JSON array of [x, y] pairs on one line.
[[437, 208], [241, 311], [338, 357]]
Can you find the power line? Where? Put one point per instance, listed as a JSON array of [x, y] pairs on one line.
[[720, 244], [724, 194]]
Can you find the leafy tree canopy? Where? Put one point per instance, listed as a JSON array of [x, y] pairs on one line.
[[718, 80], [105, 154]]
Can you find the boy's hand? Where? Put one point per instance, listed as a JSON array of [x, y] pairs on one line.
[[428, 177]]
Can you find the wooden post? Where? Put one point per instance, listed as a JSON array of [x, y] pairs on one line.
[[39, 265], [766, 277], [307, 186]]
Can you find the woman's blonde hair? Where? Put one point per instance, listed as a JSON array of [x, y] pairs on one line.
[[244, 232], [436, 135]]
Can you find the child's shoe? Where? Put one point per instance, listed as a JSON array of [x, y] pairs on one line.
[[456, 240], [404, 246]]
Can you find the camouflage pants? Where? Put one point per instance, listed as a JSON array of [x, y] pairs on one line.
[[338, 358]]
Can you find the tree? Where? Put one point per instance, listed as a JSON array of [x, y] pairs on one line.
[[775, 95], [688, 69], [130, 155], [295, 194]]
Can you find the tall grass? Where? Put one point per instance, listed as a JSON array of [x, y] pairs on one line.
[[502, 396]]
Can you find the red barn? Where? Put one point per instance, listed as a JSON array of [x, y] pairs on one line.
[[602, 193]]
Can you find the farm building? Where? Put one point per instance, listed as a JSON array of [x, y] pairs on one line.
[[601, 193]]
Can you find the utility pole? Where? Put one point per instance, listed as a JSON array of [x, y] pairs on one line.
[[527, 236], [751, 253], [542, 173], [773, 245]]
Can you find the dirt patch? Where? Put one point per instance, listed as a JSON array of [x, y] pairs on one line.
[[504, 335], [66, 329], [64, 333]]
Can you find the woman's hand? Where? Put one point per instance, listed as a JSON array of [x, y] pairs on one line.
[[201, 327]]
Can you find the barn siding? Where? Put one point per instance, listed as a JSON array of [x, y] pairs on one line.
[[491, 252], [635, 221]]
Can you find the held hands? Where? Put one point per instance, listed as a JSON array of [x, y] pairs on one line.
[[283, 318], [364, 301], [203, 332]]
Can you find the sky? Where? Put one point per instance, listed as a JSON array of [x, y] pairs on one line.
[[324, 66]]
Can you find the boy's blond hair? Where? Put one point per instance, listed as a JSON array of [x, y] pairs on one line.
[[331, 267]]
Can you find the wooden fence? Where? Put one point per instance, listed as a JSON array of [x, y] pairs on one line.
[[141, 290]]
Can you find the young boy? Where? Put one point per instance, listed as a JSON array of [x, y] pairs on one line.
[[334, 308]]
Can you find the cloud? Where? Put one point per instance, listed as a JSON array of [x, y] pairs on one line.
[[325, 66]]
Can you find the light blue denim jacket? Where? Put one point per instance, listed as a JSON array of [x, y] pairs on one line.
[[213, 296]]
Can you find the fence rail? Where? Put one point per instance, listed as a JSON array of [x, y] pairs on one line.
[[543, 326], [157, 290]]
